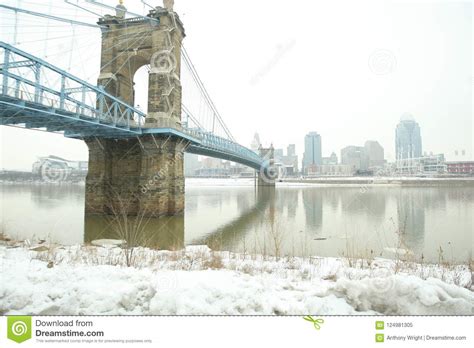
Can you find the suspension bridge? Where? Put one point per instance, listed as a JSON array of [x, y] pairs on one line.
[[135, 157]]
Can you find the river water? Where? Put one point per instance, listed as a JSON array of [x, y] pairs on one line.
[[230, 214]]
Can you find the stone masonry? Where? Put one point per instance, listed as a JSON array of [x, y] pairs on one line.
[[140, 176], [129, 44], [136, 176]]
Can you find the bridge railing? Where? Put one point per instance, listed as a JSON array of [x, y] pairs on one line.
[[33, 88], [225, 146], [26, 78]]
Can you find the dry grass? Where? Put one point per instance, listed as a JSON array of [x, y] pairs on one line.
[[297, 267], [128, 228], [213, 262], [4, 237]]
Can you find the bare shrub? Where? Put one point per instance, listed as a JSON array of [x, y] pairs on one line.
[[130, 229]]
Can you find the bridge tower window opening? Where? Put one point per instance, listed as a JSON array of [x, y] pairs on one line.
[[140, 88]]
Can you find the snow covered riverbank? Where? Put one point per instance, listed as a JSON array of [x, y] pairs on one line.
[[94, 280]]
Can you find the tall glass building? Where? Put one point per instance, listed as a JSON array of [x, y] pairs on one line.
[[408, 138], [312, 150]]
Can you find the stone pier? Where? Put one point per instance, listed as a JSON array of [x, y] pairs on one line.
[[141, 176]]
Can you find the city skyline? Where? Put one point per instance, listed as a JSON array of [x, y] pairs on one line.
[[418, 61]]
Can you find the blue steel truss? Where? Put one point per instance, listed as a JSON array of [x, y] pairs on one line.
[[40, 95], [218, 147], [81, 110]]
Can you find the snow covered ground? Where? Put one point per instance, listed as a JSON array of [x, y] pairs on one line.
[[45, 280]]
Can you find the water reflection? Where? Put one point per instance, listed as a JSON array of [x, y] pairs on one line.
[[233, 232], [367, 201], [313, 208], [158, 233], [292, 201], [411, 220], [315, 220], [50, 196]]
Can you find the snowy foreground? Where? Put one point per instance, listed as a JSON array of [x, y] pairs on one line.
[[94, 280]]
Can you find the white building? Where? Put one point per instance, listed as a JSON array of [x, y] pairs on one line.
[[427, 165]]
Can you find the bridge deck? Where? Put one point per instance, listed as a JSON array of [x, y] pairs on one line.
[[82, 110]]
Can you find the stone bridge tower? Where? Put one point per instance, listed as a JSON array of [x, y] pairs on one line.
[[268, 174], [129, 44], [142, 175]]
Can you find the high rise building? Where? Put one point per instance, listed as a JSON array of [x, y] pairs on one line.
[[255, 143], [407, 138], [291, 150], [191, 164], [375, 153], [291, 160], [356, 157], [312, 150], [330, 160], [278, 155]]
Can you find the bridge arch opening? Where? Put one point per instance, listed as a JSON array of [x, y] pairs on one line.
[[140, 88]]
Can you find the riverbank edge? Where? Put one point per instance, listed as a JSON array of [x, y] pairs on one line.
[[384, 181], [358, 181], [72, 280]]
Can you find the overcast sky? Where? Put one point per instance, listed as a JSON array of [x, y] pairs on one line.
[[347, 70]]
